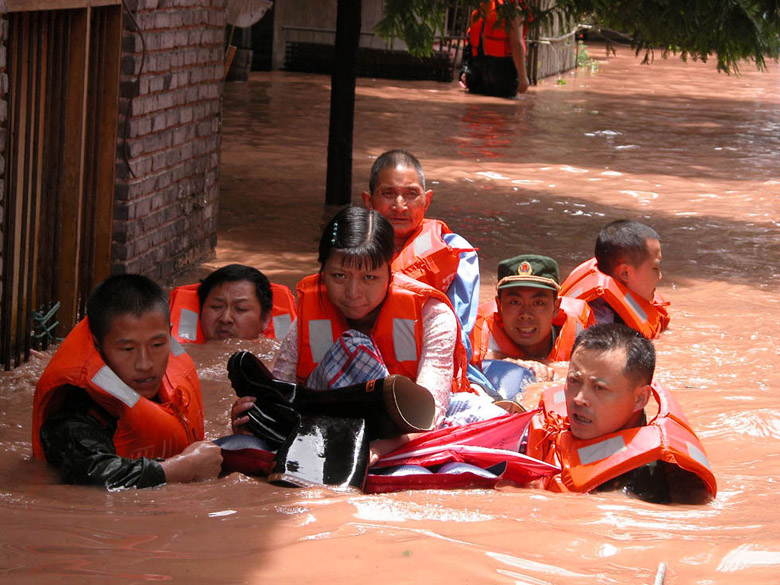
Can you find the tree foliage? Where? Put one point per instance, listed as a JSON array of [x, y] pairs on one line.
[[728, 30]]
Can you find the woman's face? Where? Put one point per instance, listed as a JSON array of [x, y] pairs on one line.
[[354, 289]]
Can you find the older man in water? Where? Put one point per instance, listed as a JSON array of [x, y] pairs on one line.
[[425, 249]]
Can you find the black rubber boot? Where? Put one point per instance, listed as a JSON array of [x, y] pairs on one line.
[[323, 450], [391, 406]]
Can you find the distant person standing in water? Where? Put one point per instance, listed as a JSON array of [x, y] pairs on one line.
[[495, 54]]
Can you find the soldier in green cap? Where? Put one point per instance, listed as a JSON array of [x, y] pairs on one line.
[[528, 322]]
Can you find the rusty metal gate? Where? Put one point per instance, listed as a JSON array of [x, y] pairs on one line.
[[63, 99]]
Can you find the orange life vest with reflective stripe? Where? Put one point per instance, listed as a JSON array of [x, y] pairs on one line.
[[427, 258], [185, 313], [488, 36], [397, 332], [588, 283], [488, 334], [145, 428], [586, 464]]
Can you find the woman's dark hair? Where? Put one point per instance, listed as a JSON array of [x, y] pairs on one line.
[[123, 294], [364, 237], [239, 273]]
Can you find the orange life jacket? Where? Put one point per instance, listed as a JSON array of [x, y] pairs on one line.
[[488, 334], [487, 35], [587, 282], [586, 464], [397, 332], [427, 258], [145, 428], [185, 313]]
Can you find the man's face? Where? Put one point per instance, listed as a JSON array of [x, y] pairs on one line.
[[232, 310], [599, 398], [527, 314], [643, 278], [400, 198], [137, 350]]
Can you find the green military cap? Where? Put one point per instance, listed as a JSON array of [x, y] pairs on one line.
[[529, 270]]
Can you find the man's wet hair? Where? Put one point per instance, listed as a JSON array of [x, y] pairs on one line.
[[123, 294], [623, 241], [640, 352], [365, 238], [390, 160], [239, 273]]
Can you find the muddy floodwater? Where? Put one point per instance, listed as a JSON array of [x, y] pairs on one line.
[[693, 153]]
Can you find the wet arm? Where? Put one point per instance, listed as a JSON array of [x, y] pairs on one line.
[[83, 451], [286, 364], [518, 54]]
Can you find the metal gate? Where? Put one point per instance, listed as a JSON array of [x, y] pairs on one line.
[[63, 99]]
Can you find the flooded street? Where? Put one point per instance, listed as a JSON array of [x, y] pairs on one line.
[[693, 153]]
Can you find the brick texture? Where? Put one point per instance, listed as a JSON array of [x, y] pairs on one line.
[[165, 210]]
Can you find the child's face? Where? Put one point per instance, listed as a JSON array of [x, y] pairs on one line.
[[137, 350], [599, 398], [356, 290], [643, 278]]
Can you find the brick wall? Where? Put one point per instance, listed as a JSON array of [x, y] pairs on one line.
[[3, 125], [165, 213]]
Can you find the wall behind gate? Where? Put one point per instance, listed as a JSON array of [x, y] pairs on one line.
[[165, 213]]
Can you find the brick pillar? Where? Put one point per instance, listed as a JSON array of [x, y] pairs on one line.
[[165, 213]]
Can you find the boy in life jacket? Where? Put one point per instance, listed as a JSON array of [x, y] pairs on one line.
[[233, 302], [495, 54], [596, 430], [619, 283], [528, 323], [119, 405], [425, 249]]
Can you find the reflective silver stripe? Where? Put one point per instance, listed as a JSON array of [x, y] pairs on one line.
[[580, 328], [282, 325], [697, 455], [422, 243], [559, 397], [492, 343], [188, 325], [601, 450], [320, 338], [575, 294], [634, 304], [111, 383], [176, 347], [404, 342]]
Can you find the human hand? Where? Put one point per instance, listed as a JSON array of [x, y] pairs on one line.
[[200, 460], [542, 372], [523, 84], [238, 419]]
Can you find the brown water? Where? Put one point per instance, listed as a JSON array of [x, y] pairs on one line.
[[689, 151]]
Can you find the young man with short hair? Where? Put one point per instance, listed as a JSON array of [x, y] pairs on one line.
[[119, 404], [619, 282]]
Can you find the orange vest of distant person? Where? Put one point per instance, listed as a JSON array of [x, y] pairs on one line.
[[488, 36], [185, 313], [397, 332], [488, 334], [427, 258], [145, 428], [586, 464], [588, 283]]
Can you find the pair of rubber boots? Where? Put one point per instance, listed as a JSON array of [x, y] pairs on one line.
[[322, 436]]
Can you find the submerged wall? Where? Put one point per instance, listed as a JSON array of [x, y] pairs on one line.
[[165, 213]]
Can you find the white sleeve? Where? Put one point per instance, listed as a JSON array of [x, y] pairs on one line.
[[435, 370], [286, 364]]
